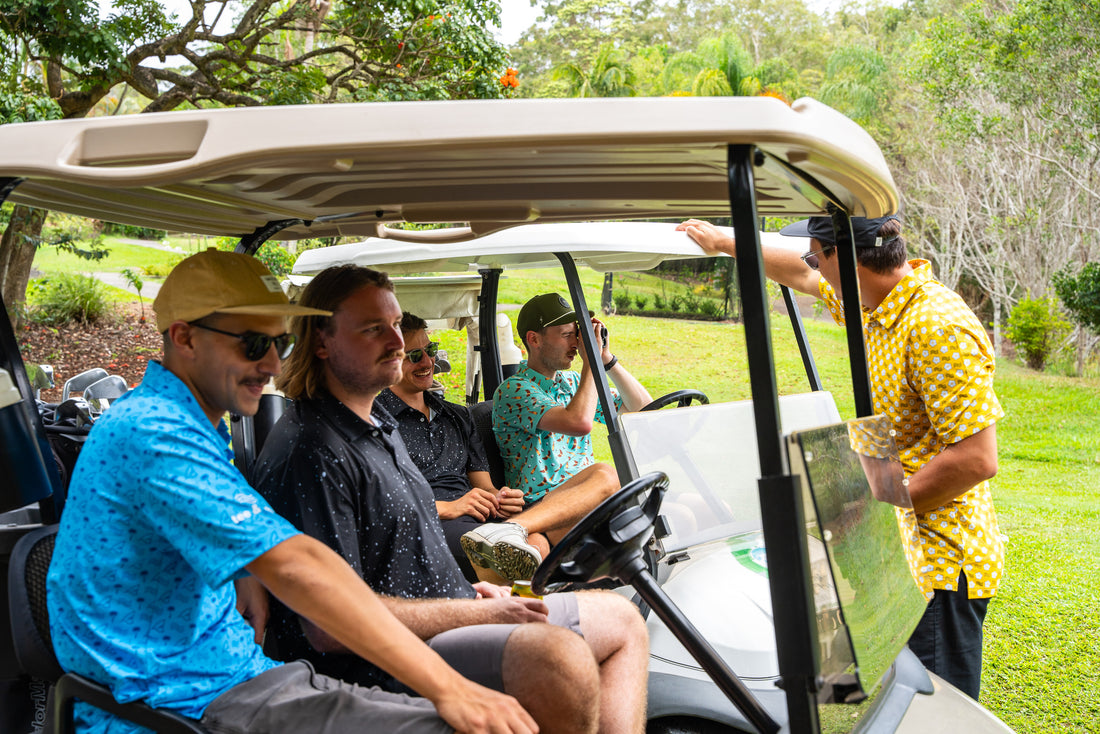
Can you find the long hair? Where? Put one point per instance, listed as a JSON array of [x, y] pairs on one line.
[[303, 372]]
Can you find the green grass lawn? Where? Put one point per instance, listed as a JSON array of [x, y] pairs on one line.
[[121, 255], [1042, 646]]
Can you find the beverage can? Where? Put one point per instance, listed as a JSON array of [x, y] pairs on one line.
[[523, 588]]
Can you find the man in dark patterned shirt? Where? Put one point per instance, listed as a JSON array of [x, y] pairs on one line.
[[444, 444], [336, 467]]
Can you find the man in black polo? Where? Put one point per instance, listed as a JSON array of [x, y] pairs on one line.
[[336, 467]]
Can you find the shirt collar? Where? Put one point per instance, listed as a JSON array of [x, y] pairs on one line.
[[890, 310], [397, 407], [537, 377], [346, 422], [162, 382]]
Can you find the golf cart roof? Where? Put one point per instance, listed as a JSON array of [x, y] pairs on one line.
[[601, 246], [348, 169]]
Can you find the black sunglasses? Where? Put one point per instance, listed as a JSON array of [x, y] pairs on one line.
[[415, 355], [810, 258], [255, 344]]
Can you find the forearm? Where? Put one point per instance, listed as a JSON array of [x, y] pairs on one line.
[[427, 618], [954, 471], [574, 419], [634, 395], [781, 265], [318, 585]]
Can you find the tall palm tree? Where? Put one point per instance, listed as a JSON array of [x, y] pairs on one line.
[[718, 67], [609, 76], [853, 82]]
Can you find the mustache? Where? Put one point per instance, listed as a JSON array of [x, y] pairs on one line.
[[397, 353]]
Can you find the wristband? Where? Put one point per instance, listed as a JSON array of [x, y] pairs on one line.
[[614, 361]]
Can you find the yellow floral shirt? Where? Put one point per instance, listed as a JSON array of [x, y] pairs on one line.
[[931, 367]]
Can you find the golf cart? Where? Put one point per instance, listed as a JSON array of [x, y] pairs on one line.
[[804, 536]]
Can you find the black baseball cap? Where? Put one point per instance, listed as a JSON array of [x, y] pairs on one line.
[[548, 309], [821, 228]]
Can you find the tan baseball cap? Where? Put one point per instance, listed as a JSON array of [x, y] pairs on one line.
[[215, 281]]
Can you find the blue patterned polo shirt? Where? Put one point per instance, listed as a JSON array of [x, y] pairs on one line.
[[157, 526]]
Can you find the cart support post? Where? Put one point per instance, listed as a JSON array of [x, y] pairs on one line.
[[780, 493]]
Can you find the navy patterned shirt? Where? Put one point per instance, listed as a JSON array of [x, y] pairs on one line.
[[353, 486], [445, 448]]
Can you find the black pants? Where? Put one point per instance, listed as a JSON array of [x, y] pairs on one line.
[[948, 638]]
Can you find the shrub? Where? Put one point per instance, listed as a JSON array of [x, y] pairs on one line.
[[710, 307], [658, 303], [691, 303], [273, 255], [640, 301], [160, 271], [1080, 292], [133, 231], [676, 303], [70, 297], [1037, 328], [622, 301]]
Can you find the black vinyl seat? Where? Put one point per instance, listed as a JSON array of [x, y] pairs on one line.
[[482, 413], [250, 432], [30, 628]]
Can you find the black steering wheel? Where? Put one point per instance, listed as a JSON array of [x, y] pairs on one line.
[[682, 398], [607, 540]]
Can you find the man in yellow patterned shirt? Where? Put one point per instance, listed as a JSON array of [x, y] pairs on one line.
[[931, 367]]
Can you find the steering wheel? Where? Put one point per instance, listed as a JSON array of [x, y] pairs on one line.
[[682, 398], [607, 540]]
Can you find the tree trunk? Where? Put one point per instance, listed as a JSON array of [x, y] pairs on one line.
[[17, 248]]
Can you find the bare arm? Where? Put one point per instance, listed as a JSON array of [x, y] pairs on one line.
[[783, 266], [955, 470], [317, 584], [574, 419]]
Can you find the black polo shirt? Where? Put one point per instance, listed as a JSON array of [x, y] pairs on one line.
[[353, 486], [445, 448]]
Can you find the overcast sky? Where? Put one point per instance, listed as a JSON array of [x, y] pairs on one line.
[[516, 16]]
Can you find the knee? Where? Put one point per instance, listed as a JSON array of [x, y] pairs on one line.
[[552, 672], [612, 624], [606, 477]]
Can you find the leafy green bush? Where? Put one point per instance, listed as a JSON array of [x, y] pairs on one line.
[[133, 231], [676, 303], [1080, 293], [640, 301], [160, 271], [69, 297], [710, 307], [691, 303], [658, 303], [622, 301], [1037, 328], [273, 255]]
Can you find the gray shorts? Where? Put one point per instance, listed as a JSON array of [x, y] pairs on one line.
[[478, 651], [294, 698]]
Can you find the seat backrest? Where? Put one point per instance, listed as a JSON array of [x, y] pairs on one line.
[[30, 619], [482, 413], [250, 432]]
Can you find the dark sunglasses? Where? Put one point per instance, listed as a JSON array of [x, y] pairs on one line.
[[256, 345], [811, 260], [415, 355]]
